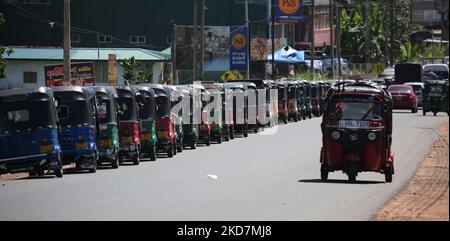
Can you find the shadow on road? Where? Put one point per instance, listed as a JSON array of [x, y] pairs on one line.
[[338, 181]]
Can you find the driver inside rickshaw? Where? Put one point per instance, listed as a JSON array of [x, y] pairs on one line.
[[351, 110]]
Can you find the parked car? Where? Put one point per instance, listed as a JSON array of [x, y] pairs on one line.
[[404, 97]]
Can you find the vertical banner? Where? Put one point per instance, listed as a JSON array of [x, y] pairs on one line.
[[289, 11], [238, 48], [112, 69]]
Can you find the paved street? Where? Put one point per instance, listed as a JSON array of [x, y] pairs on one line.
[[273, 177]]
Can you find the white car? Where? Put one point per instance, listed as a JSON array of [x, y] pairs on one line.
[[439, 69]]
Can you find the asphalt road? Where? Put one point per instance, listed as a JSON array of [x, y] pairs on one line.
[[263, 177]]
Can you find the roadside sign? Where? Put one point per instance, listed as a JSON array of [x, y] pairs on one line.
[[82, 74], [289, 11]]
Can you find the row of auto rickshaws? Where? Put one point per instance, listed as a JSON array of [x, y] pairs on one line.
[[43, 129]]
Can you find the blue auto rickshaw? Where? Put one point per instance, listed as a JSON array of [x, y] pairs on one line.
[[77, 112], [29, 132]]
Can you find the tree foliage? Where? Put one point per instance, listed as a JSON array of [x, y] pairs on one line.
[[3, 51], [354, 27], [132, 73]]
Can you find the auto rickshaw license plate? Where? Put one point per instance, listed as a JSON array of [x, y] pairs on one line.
[[82, 145], [127, 140], [146, 137], [354, 124], [105, 143], [162, 133], [46, 149]]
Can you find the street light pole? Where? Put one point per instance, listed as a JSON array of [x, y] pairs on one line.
[[331, 37], [67, 44], [273, 8]]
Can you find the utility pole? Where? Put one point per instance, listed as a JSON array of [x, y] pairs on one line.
[[247, 25], [195, 41], [392, 32], [174, 56], [367, 33], [331, 37], [313, 22], [202, 39], [67, 44], [338, 39]]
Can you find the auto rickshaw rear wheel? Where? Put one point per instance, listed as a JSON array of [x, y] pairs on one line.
[[388, 174], [193, 146], [232, 133], [115, 162], [180, 146], [352, 172], [59, 172], [219, 139], [153, 152], [207, 142], [174, 149], [435, 113], [170, 151], [324, 173], [136, 158]]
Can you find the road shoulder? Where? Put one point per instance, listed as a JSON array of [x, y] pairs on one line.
[[426, 197]]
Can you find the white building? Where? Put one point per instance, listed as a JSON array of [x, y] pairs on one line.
[[25, 66]]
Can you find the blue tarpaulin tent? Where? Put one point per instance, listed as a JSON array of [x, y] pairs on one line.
[[288, 55]]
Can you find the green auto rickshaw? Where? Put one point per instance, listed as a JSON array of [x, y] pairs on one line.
[[435, 97], [108, 137], [147, 119]]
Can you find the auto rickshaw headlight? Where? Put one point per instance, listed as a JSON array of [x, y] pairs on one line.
[[336, 135], [372, 136]]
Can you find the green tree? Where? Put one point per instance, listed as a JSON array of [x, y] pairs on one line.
[[353, 29], [130, 70], [3, 51]]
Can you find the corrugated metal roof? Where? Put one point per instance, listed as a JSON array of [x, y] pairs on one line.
[[90, 54]]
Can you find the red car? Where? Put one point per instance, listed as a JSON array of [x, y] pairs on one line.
[[404, 97]]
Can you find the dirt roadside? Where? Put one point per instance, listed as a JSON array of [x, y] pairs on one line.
[[426, 197]]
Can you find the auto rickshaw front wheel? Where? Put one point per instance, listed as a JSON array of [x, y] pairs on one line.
[[208, 141]]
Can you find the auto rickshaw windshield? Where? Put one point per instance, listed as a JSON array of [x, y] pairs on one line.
[[148, 110], [362, 108], [76, 112], [162, 107], [23, 115], [282, 94], [314, 92], [105, 112], [127, 109]]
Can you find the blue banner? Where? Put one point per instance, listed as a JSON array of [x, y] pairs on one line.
[[289, 10], [238, 48]]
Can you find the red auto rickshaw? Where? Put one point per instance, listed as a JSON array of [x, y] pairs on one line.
[[357, 131]]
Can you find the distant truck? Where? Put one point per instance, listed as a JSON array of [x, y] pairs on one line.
[[408, 72]]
